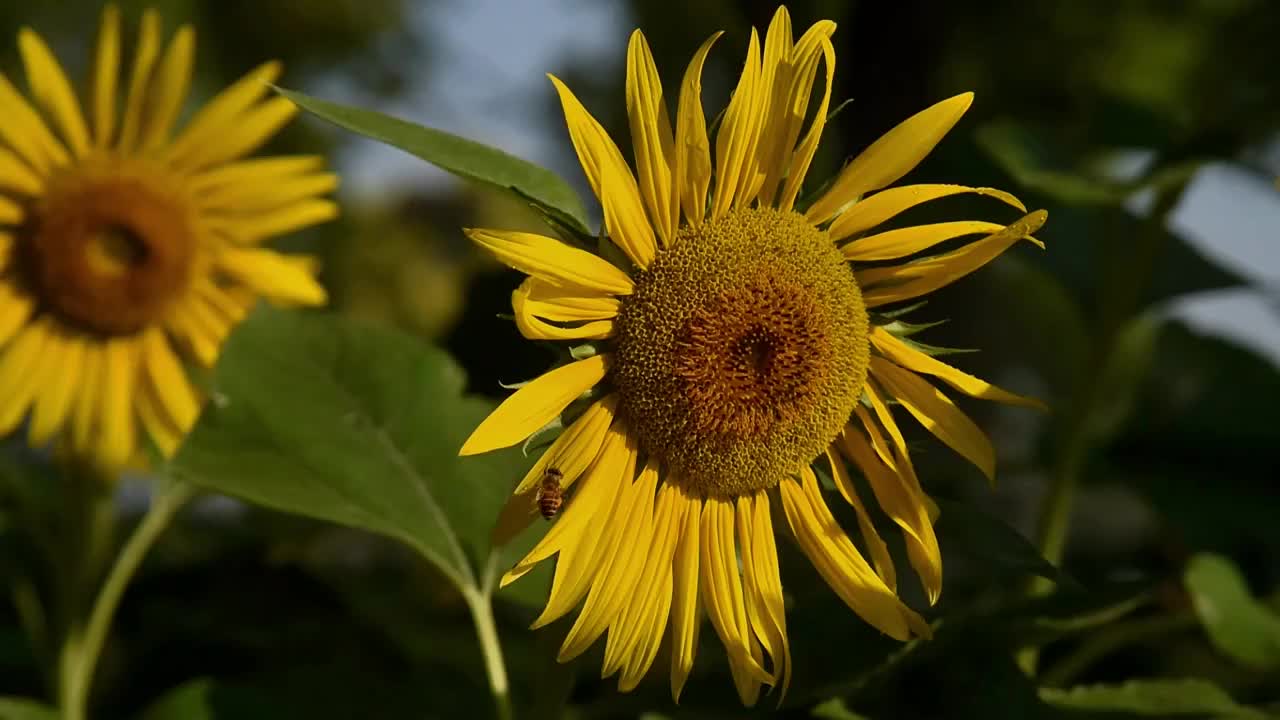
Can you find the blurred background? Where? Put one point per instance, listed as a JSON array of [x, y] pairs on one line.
[[1150, 130]]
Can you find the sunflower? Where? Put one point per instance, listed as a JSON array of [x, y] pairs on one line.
[[731, 342], [129, 250]]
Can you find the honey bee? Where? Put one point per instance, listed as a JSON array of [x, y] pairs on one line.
[[550, 496]]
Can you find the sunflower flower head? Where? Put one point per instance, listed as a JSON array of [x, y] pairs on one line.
[[130, 243], [739, 338]]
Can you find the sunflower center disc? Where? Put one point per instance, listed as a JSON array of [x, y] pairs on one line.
[[742, 351], [109, 247]]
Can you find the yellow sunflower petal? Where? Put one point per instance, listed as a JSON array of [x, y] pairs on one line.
[[880, 557], [535, 404], [586, 510], [892, 244], [283, 278], [581, 549], [106, 71], [169, 88], [571, 453], [11, 213], [53, 91], [762, 582], [145, 52], [628, 539], [16, 176], [912, 359], [776, 70], [895, 284], [722, 596], [803, 156], [529, 316], [260, 194], [885, 418], [24, 131], [737, 168], [65, 358], [6, 253], [691, 173], [85, 416], [632, 646], [251, 129], [895, 154], [244, 180], [224, 111], [652, 623], [886, 204], [937, 413], [21, 372], [198, 330], [249, 228], [610, 178], [899, 493], [553, 261], [651, 135], [840, 563], [116, 423], [162, 430], [15, 308], [561, 305], [686, 617], [172, 385]]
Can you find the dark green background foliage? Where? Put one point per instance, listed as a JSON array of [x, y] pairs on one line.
[[359, 600]]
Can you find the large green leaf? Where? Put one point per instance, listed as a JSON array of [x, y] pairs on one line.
[[355, 425], [1238, 624], [1159, 697], [457, 155], [15, 708]]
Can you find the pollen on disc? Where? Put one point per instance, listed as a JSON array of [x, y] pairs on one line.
[[742, 351]]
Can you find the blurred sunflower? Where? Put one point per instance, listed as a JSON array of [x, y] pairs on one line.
[[734, 339], [127, 250]]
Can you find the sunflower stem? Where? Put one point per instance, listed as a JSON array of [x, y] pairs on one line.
[[83, 644], [1121, 299], [479, 602]]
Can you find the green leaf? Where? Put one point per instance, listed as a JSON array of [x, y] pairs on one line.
[[1160, 697], [989, 540], [16, 708], [1238, 625], [457, 155], [835, 709], [1033, 162], [1036, 162], [355, 425], [192, 700]]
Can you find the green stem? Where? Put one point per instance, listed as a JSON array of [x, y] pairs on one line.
[[1124, 283], [480, 603], [83, 644], [1111, 639]]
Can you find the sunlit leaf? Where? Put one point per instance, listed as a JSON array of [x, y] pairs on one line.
[[1158, 697], [355, 425], [1238, 624], [457, 155]]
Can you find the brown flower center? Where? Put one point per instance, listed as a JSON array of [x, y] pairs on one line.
[[742, 351], [109, 246]]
